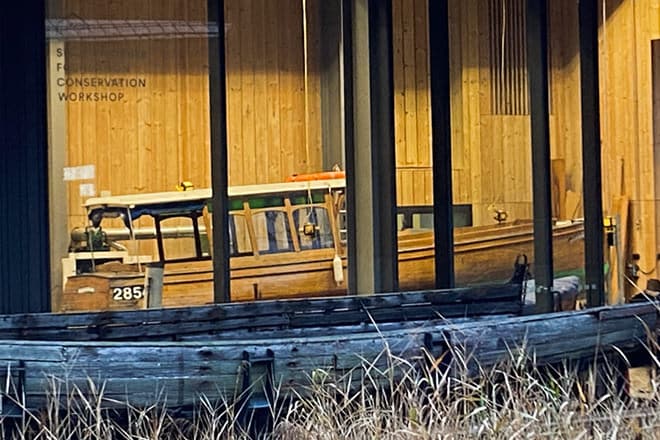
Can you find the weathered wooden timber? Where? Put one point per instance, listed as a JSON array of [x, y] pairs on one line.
[[177, 372], [228, 320], [553, 337]]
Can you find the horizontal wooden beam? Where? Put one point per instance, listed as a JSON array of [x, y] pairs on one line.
[[253, 316]]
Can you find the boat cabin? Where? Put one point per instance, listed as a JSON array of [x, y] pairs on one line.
[[171, 232]]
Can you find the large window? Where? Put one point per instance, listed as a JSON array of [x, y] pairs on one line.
[[129, 122], [130, 132]]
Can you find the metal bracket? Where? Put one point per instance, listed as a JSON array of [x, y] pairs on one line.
[[257, 391]]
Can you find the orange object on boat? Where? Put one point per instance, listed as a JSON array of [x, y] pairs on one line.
[[325, 175]]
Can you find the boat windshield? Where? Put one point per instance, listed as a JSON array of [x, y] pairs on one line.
[[264, 219]]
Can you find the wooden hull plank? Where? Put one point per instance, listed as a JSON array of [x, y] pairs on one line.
[[176, 322], [550, 338]]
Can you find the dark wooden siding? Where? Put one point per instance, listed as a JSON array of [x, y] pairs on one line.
[[24, 255]]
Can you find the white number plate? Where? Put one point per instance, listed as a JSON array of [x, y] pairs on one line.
[[127, 293]]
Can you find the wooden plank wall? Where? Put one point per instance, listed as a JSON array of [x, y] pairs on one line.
[[266, 90], [491, 159], [565, 123], [412, 102], [133, 143], [158, 133], [491, 152], [627, 121]]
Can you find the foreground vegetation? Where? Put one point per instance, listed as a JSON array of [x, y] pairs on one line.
[[419, 400]]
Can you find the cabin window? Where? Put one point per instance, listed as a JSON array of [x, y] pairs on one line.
[[314, 227], [179, 240], [239, 236], [421, 217], [271, 230]]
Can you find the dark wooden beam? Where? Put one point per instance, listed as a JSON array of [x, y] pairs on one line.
[[177, 323], [591, 154], [24, 218], [537, 68], [441, 129], [219, 169]]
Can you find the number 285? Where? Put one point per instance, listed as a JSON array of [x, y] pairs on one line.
[[127, 293]]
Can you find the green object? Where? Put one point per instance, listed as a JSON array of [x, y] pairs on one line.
[[97, 240], [266, 202], [304, 198]]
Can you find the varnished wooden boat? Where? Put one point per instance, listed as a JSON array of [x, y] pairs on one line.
[[286, 241]]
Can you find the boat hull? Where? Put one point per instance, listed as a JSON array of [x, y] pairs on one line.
[[482, 255], [176, 373]]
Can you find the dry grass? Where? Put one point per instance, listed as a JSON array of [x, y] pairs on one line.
[[404, 400]]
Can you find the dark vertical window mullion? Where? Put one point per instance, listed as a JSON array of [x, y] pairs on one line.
[[496, 13], [591, 153], [537, 61], [510, 36], [523, 67], [441, 142], [517, 40], [347, 57], [25, 274], [382, 146], [219, 168]]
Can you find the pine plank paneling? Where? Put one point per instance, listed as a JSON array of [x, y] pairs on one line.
[[272, 94], [399, 88], [411, 99], [234, 96], [261, 145], [157, 134], [626, 121]]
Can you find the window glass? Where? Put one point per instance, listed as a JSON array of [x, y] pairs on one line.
[[272, 231], [313, 226]]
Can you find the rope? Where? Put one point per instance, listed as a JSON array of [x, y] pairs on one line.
[[603, 102], [306, 91], [503, 42], [306, 73]]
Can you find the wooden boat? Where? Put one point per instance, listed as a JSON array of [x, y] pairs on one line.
[[251, 351], [286, 241]]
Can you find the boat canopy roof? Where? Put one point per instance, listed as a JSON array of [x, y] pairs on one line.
[[131, 201], [179, 202]]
